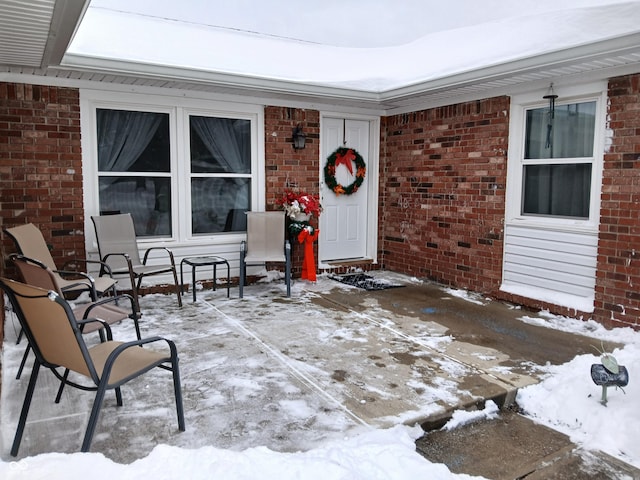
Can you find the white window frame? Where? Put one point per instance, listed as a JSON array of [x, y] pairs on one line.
[[179, 109], [515, 167]]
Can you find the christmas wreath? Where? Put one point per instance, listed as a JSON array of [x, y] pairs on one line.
[[344, 156]]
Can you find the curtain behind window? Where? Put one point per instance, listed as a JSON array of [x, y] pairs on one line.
[[132, 146], [221, 174], [123, 136]]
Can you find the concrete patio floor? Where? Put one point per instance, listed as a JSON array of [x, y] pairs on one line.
[[291, 373]]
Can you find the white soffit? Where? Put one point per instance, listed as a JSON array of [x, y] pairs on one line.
[[36, 33]]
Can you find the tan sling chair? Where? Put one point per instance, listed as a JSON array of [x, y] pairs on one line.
[[266, 242], [118, 249], [106, 309], [30, 243], [57, 341]]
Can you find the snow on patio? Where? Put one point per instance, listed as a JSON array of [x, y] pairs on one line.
[[283, 387]]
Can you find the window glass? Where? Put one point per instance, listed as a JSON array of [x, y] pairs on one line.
[[132, 147], [219, 204], [567, 133], [560, 190], [220, 145], [220, 157], [148, 199], [558, 157]]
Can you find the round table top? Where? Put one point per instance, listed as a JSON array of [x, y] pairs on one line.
[[203, 260]]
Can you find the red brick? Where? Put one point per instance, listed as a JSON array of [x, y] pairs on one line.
[[31, 132]]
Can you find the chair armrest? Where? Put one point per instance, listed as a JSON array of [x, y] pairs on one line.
[[146, 254], [104, 268], [84, 276], [113, 356], [134, 315], [105, 325], [126, 257], [74, 273], [114, 300]]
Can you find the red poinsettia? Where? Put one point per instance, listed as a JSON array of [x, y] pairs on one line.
[[300, 202]]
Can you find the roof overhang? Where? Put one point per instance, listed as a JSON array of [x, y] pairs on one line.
[[613, 57], [34, 35]]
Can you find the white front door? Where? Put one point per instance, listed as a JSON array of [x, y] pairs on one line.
[[344, 221]]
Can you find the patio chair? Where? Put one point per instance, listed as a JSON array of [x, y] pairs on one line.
[[57, 341], [37, 274], [266, 242], [30, 242], [118, 249]]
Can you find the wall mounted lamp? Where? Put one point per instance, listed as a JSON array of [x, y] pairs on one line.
[[299, 138], [551, 96]]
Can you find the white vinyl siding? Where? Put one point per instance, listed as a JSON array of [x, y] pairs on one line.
[[554, 266]]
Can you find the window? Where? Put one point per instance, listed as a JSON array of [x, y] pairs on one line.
[[186, 169], [558, 157], [220, 150], [134, 168]]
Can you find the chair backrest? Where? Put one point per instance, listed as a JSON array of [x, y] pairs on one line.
[[265, 236], [36, 273], [30, 243], [50, 326], [116, 234]]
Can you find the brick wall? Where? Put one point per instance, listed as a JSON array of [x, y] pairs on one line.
[[41, 167], [618, 278], [286, 167], [443, 178]]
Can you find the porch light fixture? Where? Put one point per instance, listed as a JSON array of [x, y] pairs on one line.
[[299, 138], [551, 96]]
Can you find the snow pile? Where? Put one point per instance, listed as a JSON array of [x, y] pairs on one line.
[[568, 401], [384, 455]]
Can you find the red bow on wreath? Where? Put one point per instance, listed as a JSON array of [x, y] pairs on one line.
[[346, 160]]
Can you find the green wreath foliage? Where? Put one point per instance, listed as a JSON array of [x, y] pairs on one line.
[[341, 155]]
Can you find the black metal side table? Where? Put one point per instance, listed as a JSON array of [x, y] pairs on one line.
[[195, 262]]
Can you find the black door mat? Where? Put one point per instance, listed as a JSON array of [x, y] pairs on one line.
[[364, 281]]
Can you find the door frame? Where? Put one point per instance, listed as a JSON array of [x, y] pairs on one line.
[[372, 176]]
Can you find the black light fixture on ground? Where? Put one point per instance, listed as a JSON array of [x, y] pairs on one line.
[[609, 374], [299, 138]]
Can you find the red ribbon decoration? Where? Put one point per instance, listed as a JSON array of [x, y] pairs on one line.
[[309, 262], [346, 160]]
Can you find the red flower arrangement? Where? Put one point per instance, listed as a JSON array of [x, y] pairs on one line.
[[295, 203]]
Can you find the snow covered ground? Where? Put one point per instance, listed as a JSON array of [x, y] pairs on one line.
[[565, 400]]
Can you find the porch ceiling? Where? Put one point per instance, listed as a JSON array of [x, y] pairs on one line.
[[35, 34]]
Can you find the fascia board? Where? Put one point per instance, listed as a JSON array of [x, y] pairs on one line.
[[65, 20], [385, 100], [117, 67], [627, 44]]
